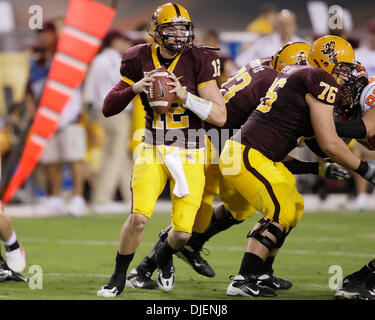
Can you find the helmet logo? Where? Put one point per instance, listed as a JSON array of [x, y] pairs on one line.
[[329, 48], [301, 58], [179, 19]]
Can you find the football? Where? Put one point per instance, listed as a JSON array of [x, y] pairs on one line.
[[159, 97]]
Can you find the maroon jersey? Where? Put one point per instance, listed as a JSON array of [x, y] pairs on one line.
[[283, 115], [242, 94], [193, 67]]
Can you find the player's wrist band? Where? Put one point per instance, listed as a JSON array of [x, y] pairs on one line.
[[199, 106], [362, 168]]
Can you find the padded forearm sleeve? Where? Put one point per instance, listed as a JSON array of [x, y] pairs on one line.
[[355, 129], [301, 167]]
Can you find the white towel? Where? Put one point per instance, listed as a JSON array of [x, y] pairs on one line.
[[174, 164]]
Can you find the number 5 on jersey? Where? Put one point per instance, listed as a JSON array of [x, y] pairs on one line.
[[271, 96]]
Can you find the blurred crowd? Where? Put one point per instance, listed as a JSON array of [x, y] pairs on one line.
[[87, 164]]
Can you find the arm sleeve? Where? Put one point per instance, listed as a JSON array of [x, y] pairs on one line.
[[355, 129], [118, 98], [301, 167], [122, 93]]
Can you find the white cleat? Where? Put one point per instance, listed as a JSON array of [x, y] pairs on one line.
[[247, 287], [140, 281], [16, 259], [166, 279], [107, 292]]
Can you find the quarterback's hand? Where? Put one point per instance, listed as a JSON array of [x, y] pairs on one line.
[[180, 92], [144, 84], [332, 171], [370, 173]]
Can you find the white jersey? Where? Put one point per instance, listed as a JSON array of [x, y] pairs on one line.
[[367, 101]]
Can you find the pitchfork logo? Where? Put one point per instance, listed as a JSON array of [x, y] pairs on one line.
[[301, 58], [329, 48]]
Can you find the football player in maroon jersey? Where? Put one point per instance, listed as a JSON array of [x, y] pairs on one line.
[[355, 107], [299, 103], [169, 150]]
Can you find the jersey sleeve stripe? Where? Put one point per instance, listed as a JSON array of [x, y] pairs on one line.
[[306, 96], [202, 84], [154, 54], [127, 80]]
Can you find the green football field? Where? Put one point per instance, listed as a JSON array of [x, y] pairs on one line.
[[77, 256]]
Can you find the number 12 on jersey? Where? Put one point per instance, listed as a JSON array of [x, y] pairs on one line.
[[217, 67]]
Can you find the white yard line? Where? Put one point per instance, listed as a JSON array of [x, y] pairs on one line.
[[91, 275], [306, 252], [115, 242], [213, 248], [71, 241], [330, 253]]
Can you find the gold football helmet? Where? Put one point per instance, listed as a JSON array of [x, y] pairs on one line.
[[166, 17], [329, 52], [290, 53]]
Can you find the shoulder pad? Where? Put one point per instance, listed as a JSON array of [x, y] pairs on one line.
[[317, 74], [133, 52], [203, 53]]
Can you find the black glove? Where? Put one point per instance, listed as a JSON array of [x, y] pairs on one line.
[[332, 171], [366, 170]]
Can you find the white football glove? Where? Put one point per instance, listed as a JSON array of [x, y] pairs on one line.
[[332, 171], [370, 173]]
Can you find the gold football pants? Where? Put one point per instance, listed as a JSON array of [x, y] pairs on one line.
[[269, 186]]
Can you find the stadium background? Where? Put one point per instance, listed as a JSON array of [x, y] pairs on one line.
[[229, 19], [90, 242], [221, 15]]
